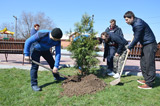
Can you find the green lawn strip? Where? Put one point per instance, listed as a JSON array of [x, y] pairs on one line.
[[15, 90]]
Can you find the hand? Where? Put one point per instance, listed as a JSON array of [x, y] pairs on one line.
[[128, 51], [27, 58], [116, 54], [55, 70]]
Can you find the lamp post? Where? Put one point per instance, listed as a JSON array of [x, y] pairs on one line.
[[92, 21], [92, 17], [15, 26]]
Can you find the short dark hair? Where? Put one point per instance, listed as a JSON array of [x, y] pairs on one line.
[[36, 25], [103, 33], [113, 20], [106, 35], [129, 14]]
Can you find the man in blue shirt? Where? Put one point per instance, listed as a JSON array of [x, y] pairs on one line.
[[41, 42], [144, 35], [35, 29]]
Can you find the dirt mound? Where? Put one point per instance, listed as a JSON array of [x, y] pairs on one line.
[[87, 85]]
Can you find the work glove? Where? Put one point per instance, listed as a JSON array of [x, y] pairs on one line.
[[27, 58]]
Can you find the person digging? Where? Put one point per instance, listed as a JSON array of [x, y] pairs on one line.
[[120, 54], [39, 45]]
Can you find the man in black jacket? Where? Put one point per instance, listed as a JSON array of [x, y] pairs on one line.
[[120, 54], [111, 47], [144, 35]]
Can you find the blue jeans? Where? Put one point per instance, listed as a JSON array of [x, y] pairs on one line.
[[34, 68]]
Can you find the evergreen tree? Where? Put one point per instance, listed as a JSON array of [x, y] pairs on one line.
[[83, 49]]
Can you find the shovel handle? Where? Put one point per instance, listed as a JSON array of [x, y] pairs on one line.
[[47, 68], [41, 65]]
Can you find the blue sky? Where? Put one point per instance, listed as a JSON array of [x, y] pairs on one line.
[[65, 13]]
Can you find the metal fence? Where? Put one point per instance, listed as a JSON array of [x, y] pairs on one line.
[[136, 52]]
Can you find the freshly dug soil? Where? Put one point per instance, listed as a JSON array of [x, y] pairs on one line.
[[86, 85]]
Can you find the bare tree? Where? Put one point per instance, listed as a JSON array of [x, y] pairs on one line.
[[43, 21], [27, 21], [9, 26]]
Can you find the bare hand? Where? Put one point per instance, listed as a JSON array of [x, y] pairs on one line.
[[128, 51], [27, 58], [116, 54], [55, 70]]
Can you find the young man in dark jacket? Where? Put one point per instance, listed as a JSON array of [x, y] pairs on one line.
[[111, 47], [41, 42], [120, 54], [144, 35]]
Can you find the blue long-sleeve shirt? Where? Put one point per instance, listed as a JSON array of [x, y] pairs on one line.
[[33, 31], [42, 43]]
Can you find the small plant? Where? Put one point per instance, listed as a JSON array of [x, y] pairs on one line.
[[83, 47]]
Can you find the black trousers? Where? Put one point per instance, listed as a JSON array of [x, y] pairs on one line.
[[147, 63], [34, 68]]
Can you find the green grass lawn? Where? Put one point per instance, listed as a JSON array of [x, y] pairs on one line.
[[15, 90]]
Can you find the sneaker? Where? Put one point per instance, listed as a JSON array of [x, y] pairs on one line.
[[36, 88], [145, 86], [141, 81], [111, 74], [116, 75]]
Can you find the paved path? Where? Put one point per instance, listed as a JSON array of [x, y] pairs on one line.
[[15, 60]]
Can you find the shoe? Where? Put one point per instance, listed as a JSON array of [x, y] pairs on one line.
[[55, 78], [104, 73], [141, 81], [111, 74], [36, 88], [60, 78], [145, 86], [116, 75]]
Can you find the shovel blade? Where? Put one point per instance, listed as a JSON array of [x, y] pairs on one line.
[[115, 82]]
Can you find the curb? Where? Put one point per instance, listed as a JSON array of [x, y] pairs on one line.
[[128, 73]]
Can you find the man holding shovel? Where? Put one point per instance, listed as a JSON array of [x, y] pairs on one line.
[[41, 42], [120, 54], [144, 35]]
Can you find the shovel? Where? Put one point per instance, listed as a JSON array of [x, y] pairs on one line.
[[117, 81], [77, 79], [48, 68]]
